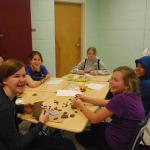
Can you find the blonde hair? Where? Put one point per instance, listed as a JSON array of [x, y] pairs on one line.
[[130, 78]]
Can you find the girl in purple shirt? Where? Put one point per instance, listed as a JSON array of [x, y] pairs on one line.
[[125, 109]]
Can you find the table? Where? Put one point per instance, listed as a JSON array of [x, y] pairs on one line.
[[47, 93], [100, 78]]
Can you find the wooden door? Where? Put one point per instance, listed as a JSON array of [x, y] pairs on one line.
[[67, 37], [15, 29]]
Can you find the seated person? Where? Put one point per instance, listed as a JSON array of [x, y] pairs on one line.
[[92, 64], [125, 108], [143, 71], [12, 83], [36, 72]]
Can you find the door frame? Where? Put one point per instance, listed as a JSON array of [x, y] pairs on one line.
[[83, 17]]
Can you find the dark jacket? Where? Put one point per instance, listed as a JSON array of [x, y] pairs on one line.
[[9, 135], [145, 82]]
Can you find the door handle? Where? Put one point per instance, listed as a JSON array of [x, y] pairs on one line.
[[78, 43]]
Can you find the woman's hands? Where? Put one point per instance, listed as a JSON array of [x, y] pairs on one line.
[[81, 72], [45, 77], [44, 116], [92, 73], [78, 101], [80, 96]]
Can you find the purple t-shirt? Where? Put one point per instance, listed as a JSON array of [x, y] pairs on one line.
[[128, 112]]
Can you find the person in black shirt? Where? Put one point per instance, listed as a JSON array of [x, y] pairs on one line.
[[12, 82]]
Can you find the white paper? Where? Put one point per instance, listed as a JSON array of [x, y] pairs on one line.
[[54, 81], [95, 86], [19, 101], [53, 112], [67, 92]]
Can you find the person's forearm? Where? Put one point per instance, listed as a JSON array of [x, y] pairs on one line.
[[47, 76], [89, 114], [102, 72], [94, 101], [74, 70], [92, 116], [34, 84], [95, 117]]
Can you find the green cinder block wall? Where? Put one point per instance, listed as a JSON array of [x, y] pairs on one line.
[[119, 29]]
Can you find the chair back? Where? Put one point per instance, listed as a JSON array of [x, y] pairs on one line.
[[138, 134]]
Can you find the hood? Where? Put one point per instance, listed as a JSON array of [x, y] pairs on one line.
[[145, 62]]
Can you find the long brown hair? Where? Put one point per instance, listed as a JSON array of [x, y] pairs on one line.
[[33, 53], [8, 68], [130, 78]]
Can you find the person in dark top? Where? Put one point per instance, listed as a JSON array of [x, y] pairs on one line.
[[125, 108], [12, 82], [36, 72], [143, 71]]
